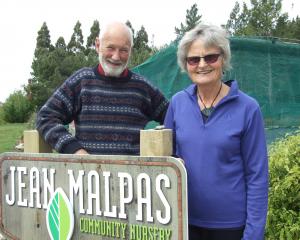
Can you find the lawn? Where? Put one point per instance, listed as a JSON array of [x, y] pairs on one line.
[[9, 136]]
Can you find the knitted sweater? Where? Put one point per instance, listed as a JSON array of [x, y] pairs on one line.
[[108, 112]]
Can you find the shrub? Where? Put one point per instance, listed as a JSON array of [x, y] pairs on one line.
[[17, 108], [1, 116], [284, 196]]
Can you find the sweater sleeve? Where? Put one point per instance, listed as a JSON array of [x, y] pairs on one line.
[[159, 105], [254, 153], [58, 111]]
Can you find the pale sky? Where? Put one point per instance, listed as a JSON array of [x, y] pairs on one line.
[[21, 20]]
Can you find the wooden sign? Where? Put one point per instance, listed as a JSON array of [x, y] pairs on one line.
[[108, 197]]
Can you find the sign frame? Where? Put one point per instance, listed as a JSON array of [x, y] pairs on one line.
[[175, 164]]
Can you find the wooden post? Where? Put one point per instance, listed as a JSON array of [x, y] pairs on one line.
[[34, 143], [156, 142]]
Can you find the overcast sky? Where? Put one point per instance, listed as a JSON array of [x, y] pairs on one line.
[[21, 20]]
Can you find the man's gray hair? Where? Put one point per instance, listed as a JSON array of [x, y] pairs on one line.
[[212, 36], [119, 24]]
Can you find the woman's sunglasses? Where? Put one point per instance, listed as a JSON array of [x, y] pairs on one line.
[[211, 58]]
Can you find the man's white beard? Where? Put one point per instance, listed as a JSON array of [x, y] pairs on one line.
[[111, 71]]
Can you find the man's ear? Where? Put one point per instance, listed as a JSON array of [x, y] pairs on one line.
[[97, 45]]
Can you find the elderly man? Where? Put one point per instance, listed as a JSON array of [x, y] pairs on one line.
[[108, 103]]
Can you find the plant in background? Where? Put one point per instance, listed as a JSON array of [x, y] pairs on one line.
[[17, 108], [284, 195], [1, 116]]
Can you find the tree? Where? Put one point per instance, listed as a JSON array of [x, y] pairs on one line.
[[95, 30], [141, 39], [40, 67], [90, 52], [191, 20], [263, 18], [237, 24], [43, 40], [141, 50], [260, 19], [264, 15], [281, 27], [42, 84], [297, 28], [293, 29], [76, 43], [61, 44]]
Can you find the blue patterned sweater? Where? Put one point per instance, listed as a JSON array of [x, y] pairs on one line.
[[108, 112]]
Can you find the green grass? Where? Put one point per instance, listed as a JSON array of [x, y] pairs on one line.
[[10, 133]]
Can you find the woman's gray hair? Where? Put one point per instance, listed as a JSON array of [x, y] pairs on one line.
[[212, 36]]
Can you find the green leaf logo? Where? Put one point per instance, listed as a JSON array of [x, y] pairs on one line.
[[60, 216]]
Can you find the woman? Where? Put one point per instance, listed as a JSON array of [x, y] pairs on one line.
[[219, 134]]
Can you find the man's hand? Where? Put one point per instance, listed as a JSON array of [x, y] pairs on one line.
[[81, 152]]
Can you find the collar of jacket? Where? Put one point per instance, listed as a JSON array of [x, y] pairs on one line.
[[233, 92]]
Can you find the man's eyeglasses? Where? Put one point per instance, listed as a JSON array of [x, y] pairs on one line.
[[211, 58]]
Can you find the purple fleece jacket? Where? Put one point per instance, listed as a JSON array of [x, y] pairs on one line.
[[226, 160]]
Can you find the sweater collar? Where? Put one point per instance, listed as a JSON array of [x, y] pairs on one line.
[[125, 76], [101, 71]]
